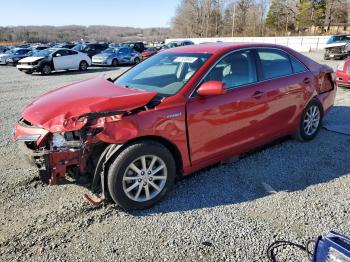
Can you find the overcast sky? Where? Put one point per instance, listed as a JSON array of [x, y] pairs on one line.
[[135, 13]]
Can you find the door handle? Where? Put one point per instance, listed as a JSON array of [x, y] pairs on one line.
[[258, 94], [306, 80]]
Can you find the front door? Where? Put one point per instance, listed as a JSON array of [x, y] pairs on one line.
[[61, 59], [224, 125]]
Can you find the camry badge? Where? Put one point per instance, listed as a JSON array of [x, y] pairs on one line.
[[174, 115]]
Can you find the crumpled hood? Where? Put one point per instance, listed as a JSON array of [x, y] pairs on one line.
[[31, 59], [336, 44], [53, 109]]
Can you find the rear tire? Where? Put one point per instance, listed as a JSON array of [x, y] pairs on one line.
[[115, 62], [310, 121], [83, 66], [148, 186]]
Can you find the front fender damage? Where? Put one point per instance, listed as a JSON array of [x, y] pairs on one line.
[[98, 186]]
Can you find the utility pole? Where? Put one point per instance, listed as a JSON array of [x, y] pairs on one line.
[[233, 18]]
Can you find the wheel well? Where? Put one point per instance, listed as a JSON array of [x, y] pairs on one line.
[[316, 99], [49, 64], [103, 148], [169, 145]]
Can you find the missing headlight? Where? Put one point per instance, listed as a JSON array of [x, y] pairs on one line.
[[66, 140]]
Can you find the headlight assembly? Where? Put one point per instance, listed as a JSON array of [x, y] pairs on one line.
[[58, 140], [67, 140]]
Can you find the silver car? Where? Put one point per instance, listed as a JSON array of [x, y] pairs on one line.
[[117, 56]]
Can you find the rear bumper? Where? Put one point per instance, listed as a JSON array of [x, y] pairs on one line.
[[327, 99], [101, 63], [342, 79]]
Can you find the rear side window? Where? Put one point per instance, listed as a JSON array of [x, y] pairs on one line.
[[298, 67], [274, 63]]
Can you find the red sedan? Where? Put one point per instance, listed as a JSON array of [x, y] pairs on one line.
[[343, 73], [150, 51], [175, 113]]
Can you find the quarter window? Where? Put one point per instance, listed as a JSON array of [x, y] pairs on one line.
[[274, 63], [297, 66], [235, 70]]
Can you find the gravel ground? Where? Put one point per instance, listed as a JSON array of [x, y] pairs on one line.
[[289, 190]]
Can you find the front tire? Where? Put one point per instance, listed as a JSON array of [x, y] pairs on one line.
[[83, 66], [310, 122], [46, 69], [137, 60], [141, 175]]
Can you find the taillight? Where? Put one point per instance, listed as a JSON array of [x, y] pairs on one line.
[[340, 67]]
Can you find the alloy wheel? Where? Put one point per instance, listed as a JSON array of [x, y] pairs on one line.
[[83, 66], [145, 178], [46, 69], [312, 120]]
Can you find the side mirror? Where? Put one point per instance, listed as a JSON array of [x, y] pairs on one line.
[[58, 55], [212, 88]]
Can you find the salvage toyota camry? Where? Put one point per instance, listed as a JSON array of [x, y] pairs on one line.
[[177, 112]]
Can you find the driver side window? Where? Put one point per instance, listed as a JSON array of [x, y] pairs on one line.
[[235, 70]]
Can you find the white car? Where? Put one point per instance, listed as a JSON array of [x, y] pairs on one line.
[[6, 55], [54, 59]]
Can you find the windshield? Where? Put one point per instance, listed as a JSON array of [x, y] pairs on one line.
[[21, 51], [164, 73], [338, 38], [45, 52], [171, 45], [10, 51], [151, 49], [79, 47]]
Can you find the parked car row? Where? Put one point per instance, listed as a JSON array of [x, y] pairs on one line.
[[45, 58]]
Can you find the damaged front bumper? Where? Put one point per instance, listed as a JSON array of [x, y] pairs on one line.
[[53, 162]]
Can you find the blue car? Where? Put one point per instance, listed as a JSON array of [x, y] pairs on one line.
[[117, 56]]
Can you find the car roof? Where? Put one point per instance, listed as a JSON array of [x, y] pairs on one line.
[[214, 48]]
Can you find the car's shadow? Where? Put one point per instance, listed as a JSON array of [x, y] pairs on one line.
[[285, 165]]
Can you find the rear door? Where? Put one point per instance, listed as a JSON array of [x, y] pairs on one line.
[[284, 82], [124, 55]]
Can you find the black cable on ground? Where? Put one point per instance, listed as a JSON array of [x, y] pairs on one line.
[[271, 255]]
